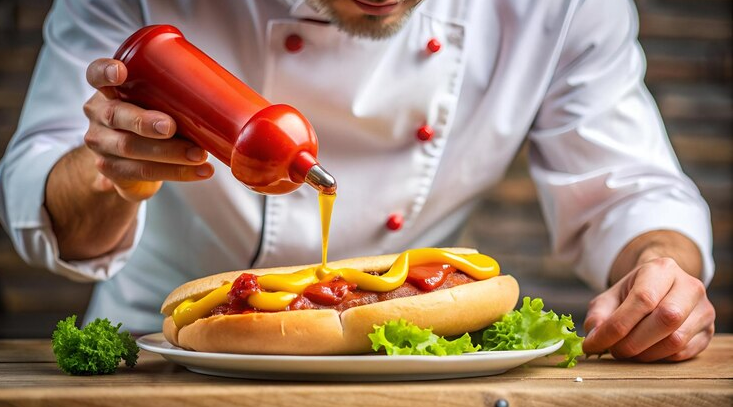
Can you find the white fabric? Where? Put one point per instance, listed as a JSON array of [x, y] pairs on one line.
[[567, 75]]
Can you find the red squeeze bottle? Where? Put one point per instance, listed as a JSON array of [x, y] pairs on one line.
[[270, 148]]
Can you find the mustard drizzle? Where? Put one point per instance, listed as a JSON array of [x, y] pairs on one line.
[[279, 290]]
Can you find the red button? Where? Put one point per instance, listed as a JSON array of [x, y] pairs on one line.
[[395, 221], [433, 45], [294, 43], [425, 133]]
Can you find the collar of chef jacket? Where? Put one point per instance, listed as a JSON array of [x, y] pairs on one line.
[[301, 9]]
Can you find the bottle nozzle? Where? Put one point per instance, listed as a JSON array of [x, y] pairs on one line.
[[321, 180]]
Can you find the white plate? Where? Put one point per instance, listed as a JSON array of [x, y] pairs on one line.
[[342, 368]]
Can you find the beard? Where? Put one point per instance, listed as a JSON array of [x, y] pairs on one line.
[[363, 25]]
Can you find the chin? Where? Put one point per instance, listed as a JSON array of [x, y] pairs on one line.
[[348, 17]]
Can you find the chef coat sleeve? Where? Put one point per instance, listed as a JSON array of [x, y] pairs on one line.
[[52, 123], [599, 153]]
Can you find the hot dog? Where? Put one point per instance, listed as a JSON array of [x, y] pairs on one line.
[[308, 310]]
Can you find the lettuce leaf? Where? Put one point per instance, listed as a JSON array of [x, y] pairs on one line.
[[527, 328], [532, 328], [403, 338]]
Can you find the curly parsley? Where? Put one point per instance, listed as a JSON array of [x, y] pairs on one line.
[[96, 349]]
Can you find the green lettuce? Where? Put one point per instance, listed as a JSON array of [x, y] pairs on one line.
[[526, 328], [532, 328], [403, 338]]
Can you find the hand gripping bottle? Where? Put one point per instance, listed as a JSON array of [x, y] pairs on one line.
[[270, 148]]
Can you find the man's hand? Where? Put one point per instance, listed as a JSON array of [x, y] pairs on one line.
[[93, 192], [134, 147], [655, 312]]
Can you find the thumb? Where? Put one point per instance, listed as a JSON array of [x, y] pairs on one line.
[[136, 191]]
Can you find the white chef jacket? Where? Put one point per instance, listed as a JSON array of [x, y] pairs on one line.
[[564, 74]]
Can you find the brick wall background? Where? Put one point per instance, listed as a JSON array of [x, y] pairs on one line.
[[689, 72]]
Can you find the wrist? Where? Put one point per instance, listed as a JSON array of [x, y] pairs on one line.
[[654, 245], [652, 251], [87, 221]]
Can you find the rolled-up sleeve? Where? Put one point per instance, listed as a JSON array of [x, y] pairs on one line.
[[599, 153], [52, 123]]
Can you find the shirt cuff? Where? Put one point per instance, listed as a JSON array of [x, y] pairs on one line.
[[603, 242], [29, 224]]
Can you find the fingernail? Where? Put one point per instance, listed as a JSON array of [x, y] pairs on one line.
[[111, 72], [203, 171], [162, 126], [195, 154]]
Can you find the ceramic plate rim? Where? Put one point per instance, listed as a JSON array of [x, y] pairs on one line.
[[144, 343]]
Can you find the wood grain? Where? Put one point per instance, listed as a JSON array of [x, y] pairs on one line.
[[542, 392], [28, 377]]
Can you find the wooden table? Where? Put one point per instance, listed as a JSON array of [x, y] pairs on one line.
[[29, 377]]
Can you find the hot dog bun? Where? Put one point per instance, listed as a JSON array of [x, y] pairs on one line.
[[451, 311]]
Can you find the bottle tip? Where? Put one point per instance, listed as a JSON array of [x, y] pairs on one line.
[[321, 180]]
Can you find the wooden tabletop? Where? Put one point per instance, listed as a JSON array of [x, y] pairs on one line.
[[29, 377]]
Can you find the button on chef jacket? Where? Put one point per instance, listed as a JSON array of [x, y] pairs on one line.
[[566, 75]]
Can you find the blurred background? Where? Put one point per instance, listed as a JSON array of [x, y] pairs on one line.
[[690, 67]]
